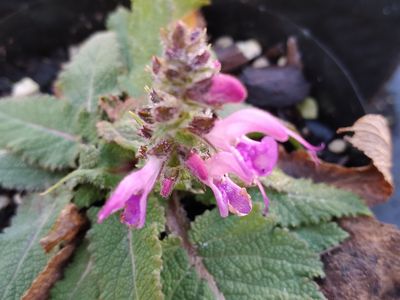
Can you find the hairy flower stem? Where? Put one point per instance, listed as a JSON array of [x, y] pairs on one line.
[[178, 224]]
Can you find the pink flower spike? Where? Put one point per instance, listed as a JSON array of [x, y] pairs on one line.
[[132, 193], [166, 187], [225, 89]]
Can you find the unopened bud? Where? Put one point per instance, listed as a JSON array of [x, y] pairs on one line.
[[156, 65], [179, 36]]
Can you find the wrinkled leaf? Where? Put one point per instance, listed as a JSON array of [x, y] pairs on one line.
[[43, 130], [179, 278], [372, 136], [127, 261], [298, 202], [79, 282], [321, 236], [17, 174], [92, 73], [250, 258], [22, 258]]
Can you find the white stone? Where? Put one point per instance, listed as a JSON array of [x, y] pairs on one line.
[[250, 48], [337, 146], [308, 108], [224, 42], [260, 62], [282, 61], [25, 87]]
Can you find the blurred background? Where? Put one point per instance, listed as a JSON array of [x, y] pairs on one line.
[[350, 54]]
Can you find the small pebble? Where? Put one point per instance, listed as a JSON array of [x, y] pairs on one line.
[[261, 62], [223, 42], [282, 61], [4, 201], [25, 87], [337, 146], [308, 108], [250, 48]]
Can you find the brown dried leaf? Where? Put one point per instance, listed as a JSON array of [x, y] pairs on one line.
[[41, 286], [67, 226], [367, 265], [372, 136], [366, 182]]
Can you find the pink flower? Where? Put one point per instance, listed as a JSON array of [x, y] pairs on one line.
[[224, 89], [213, 172], [255, 158], [132, 193]]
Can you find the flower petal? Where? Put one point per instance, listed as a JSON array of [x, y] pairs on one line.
[[223, 163], [134, 214], [197, 166], [239, 201], [225, 89], [139, 182], [259, 157]]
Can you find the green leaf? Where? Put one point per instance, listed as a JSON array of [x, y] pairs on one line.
[[298, 202], [79, 282], [42, 130], [121, 132], [87, 194], [92, 72], [22, 258], [322, 236], [145, 22], [128, 261], [17, 174], [250, 258], [118, 22], [179, 279]]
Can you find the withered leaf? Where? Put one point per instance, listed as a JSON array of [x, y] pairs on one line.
[[367, 265], [40, 287], [372, 136], [366, 182], [67, 226]]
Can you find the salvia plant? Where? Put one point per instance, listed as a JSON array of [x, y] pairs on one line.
[[134, 182]]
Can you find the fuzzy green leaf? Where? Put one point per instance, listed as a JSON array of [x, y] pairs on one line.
[[22, 258], [17, 174], [128, 261], [43, 130], [179, 279], [250, 258], [145, 22], [298, 202], [321, 236], [87, 194], [121, 132], [79, 282], [92, 72], [118, 22]]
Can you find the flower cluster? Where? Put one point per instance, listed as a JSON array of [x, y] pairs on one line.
[[184, 134]]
